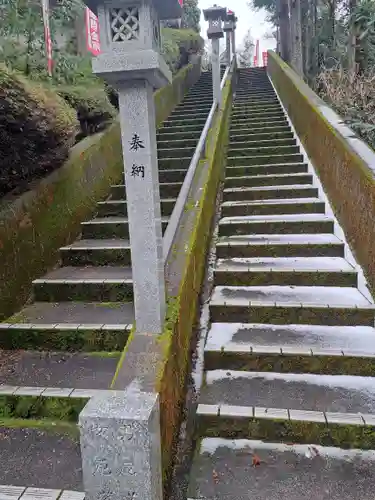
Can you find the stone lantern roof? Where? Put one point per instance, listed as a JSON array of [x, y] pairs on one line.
[[166, 9]]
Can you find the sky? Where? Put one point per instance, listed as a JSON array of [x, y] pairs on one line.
[[247, 19]]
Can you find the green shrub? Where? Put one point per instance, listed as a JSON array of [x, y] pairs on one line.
[[94, 111], [37, 127], [178, 44]]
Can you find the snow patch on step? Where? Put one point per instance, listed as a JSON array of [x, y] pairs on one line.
[[365, 385], [211, 445]]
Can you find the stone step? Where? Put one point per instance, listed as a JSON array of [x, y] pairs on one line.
[[173, 175], [260, 120], [44, 456], [185, 129], [292, 391], [265, 132], [273, 207], [110, 227], [192, 107], [268, 180], [97, 253], [179, 114], [257, 113], [198, 100], [298, 271], [102, 283], [274, 224], [174, 122], [8, 492], [183, 135], [291, 304], [359, 339], [236, 127], [119, 207], [55, 374], [170, 152], [254, 92], [270, 192], [173, 164], [255, 99], [277, 168], [332, 350], [280, 245], [167, 189], [239, 469], [266, 143], [178, 143], [262, 151], [255, 107], [270, 159], [69, 326]]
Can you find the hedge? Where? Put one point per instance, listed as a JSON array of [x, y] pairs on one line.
[[37, 128], [38, 223], [344, 163]]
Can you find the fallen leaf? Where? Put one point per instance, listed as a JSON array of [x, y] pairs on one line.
[[215, 476], [256, 461]]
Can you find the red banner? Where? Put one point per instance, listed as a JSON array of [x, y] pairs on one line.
[[181, 2], [92, 33], [47, 35], [265, 58]]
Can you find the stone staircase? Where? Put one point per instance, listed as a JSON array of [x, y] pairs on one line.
[[287, 406], [65, 346]]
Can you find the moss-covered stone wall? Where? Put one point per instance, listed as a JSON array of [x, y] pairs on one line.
[[183, 309], [34, 226], [344, 163]]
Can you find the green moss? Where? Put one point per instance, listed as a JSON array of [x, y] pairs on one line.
[[66, 340], [289, 431], [50, 426], [290, 363], [31, 407]]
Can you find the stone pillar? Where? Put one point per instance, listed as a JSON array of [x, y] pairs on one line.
[[138, 131], [215, 15], [120, 446], [216, 69], [228, 49], [228, 28], [131, 62]]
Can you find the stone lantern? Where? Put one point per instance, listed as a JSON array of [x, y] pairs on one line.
[[215, 16], [228, 29], [130, 60], [235, 19]]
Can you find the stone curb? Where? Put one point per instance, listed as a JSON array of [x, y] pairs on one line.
[[253, 412], [8, 492], [57, 392]]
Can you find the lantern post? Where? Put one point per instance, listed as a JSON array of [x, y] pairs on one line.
[[215, 16], [131, 61], [228, 30]]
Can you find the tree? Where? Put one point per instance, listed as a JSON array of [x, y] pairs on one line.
[[191, 15], [246, 51]]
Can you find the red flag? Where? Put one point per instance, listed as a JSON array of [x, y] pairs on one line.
[[265, 57], [181, 2], [257, 53], [92, 33], [47, 35]]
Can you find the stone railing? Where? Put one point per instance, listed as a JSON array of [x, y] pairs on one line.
[[344, 163]]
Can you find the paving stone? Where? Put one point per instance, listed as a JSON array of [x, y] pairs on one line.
[[226, 469], [305, 391], [56, 370]]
